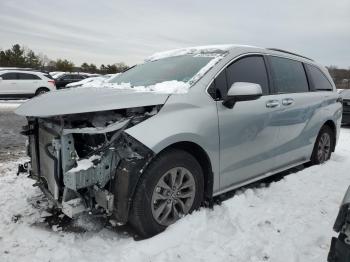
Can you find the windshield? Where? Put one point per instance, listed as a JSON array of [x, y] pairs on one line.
[[178, 68]]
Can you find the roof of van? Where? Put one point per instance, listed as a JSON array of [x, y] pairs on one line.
[[218, 49]]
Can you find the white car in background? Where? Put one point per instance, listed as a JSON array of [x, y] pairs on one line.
[[20, 83]]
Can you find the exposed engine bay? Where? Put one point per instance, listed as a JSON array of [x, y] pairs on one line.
[[86, 162]]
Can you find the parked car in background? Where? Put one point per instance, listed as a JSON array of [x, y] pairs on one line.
[[345, 94], [21, 83], [62, 79], [340, 246], [168, 135]]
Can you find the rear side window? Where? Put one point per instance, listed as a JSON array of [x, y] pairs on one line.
[[9, 76], [248, 69], [288, 75], [26, 76], [80, 77], [48, 76], [65, 77], [319, 80]]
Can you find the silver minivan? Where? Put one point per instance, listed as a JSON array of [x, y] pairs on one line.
[[166, 136]]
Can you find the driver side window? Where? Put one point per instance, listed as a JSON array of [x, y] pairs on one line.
[[247, 69]]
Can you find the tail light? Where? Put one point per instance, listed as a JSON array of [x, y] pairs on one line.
[[52, 82]]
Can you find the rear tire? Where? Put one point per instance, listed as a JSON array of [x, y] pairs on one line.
[[171, 187], [41, 90], [323, 146]]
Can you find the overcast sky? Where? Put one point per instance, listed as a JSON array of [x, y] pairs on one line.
[[107, 31]]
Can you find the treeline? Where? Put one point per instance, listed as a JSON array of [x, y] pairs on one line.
[[18, 56], [341, 77]]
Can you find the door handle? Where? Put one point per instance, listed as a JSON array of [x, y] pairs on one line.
[[287, 101], [272, 103]]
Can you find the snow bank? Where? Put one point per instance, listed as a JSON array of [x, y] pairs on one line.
[[290, 220]]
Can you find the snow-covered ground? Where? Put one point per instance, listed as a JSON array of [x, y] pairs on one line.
[[288, 220]]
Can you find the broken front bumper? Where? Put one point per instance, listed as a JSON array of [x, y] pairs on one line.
[[106, 185]]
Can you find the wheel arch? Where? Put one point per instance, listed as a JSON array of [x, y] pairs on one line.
[[204, 161], [41, 88], [332, 126]]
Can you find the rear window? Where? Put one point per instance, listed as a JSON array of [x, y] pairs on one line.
[[65, 77], [319, 80], [288, 75]]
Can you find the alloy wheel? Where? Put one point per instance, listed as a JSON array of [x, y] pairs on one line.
[[173, 195], [324, 147]]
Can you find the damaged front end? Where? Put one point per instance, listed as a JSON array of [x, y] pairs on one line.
[[86, 162]]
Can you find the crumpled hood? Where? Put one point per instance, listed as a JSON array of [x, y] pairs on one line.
[[84, 100]]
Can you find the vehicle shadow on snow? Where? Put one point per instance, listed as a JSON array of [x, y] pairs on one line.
[[55, 220], [260, 183]]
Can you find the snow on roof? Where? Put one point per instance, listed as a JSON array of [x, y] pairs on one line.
[[208, 49]]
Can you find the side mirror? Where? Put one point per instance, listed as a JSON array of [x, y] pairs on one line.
[[242, 91]]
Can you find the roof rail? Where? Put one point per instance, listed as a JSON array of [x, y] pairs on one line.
[[287, 52]]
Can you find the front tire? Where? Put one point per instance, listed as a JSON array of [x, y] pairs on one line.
[[171, 187], [323, 146]]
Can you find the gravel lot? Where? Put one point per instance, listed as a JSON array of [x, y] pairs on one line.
[[12, 143]]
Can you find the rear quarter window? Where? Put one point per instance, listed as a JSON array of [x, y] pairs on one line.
[[288, 75], [319, 81]]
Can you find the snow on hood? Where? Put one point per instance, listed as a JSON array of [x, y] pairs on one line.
[[85, 100]]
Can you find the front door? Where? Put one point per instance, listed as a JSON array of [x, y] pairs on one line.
[[247, 131]]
